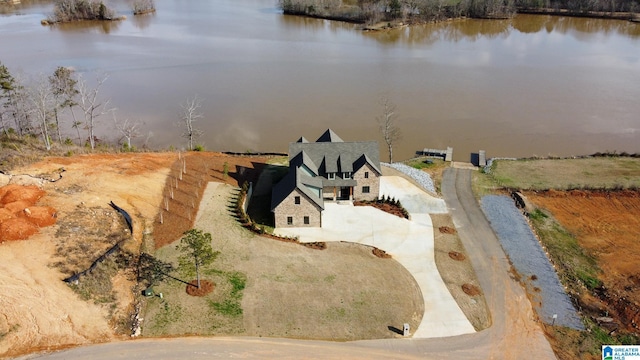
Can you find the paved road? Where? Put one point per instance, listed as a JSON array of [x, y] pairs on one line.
[[513, 335]]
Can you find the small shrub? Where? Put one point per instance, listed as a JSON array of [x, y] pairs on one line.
[[75, 10], [143, 6], [198, 148]]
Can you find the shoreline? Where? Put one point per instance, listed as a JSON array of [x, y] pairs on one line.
[[397, 24]]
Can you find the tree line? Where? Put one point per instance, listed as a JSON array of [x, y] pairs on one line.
[[42, 106], [78, 10], [416, 11]]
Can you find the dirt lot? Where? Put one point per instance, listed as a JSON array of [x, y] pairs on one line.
[[42, 312], [607, 226]]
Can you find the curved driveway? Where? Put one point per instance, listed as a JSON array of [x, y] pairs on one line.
[[410, 242], [514, 333]]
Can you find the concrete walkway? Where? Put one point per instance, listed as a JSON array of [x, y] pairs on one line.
[[410, 242]]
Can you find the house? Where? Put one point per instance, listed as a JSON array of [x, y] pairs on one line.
[[328, 169]]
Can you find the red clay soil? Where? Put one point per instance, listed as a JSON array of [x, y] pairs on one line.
[[607, 226], [12, 193], [188, 187], [19, 219], [206, 287]]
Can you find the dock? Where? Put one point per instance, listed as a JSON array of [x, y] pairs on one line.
[[446, 155]]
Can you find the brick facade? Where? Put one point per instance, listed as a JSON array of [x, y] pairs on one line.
[[288, 208], [372, 181]]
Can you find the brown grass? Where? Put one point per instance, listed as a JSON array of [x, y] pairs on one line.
[[458, 274], [561, 174]]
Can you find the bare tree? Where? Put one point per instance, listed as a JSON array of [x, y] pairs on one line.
[[92, 107], [64, 87], [190, 114], [42, 100], [388, 127], [128, 129], [5, 128]]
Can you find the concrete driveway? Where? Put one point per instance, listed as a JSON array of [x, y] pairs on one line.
[[410, 242]]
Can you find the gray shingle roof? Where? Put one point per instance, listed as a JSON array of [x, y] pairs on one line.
[[329, 136], [330, 154], [296, 179], [337, 156]]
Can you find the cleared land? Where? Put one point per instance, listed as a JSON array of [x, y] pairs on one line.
[[568, 174], [607, 227], [41, 312], [591, 237]]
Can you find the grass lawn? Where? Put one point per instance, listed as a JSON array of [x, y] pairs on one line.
[[265, 287]]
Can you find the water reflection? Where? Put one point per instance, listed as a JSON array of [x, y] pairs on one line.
[[21, 6], [142, 21], [89, 26], [472, 29], [585, 28], [294, 23]]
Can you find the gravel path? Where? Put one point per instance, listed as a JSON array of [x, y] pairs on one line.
[[421, 177], [529, 259]]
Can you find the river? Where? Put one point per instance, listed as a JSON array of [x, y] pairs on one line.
[[529, 86]]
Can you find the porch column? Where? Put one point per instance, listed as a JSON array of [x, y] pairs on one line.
[[334, 193], [351, 193]]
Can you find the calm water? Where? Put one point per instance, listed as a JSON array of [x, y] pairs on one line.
[[534, 85]]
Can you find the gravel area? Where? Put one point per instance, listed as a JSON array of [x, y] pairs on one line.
[[421, 177], [530, 261]]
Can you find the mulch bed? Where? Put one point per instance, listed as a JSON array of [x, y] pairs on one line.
[[456, 256], [471, 290], [380, 253], [386, 207], [447, 230], [315, 245], [206, 287]]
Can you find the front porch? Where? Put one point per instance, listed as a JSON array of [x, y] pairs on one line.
[[337, 193]]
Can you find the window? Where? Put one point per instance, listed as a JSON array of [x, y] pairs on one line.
[[289, 220], [365, 189], [346, 175], [306, 220], [331, 176], [366, 174], [297, 200]]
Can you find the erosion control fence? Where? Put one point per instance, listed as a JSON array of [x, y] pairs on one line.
[[114, 248]]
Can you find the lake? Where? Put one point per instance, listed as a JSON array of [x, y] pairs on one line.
[[532, 85]]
